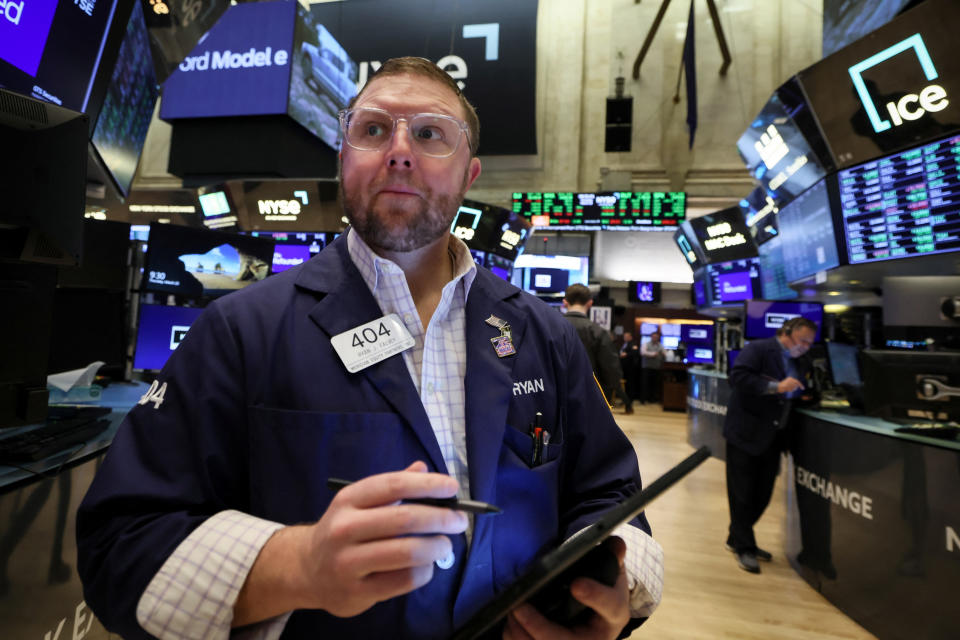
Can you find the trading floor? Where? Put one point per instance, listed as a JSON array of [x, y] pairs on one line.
[[706, 596]]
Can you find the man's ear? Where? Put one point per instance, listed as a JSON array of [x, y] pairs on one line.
[[588, 305]]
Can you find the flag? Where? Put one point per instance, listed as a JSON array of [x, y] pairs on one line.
[[690, 69]]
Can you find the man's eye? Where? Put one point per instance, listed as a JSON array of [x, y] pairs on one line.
[[430, 133], [373, 129]]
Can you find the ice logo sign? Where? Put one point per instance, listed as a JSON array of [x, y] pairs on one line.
[[911, 106], [11, 10]]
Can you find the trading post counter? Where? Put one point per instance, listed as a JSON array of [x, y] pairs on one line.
[[40, 591], [873, 522], [708, 393]]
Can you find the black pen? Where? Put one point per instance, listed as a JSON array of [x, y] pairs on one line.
[[470, 506]]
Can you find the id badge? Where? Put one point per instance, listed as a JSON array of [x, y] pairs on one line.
[[372, 342]]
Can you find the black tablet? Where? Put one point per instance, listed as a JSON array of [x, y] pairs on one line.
[[548, 566]]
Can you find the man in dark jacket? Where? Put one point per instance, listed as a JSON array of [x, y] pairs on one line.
[[603, 357], [766, 378]]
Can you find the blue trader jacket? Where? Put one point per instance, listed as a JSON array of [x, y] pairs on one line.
[[259, 411]]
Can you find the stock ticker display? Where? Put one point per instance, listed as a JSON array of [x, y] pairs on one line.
[[615, 210], [903, 205]]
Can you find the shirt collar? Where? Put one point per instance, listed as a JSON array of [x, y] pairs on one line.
[[373, 267]]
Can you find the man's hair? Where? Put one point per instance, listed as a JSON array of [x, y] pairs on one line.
[[577, 294], [793, 324], [423, 67]]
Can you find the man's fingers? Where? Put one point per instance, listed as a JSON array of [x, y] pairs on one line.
[[610, 603], [390, 584], [380, 523], [387, 488], [395, 554]]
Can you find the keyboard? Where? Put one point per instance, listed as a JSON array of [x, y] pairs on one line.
[[53, 437]]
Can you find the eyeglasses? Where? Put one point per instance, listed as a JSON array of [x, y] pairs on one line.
[[431, 134]]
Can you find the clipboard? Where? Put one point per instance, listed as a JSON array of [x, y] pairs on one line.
[[552, 564]]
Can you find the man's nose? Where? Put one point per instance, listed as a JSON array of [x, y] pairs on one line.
[[400, 150]]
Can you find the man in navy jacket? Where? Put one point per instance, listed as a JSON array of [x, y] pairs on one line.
[[211, 515], [764, 381]]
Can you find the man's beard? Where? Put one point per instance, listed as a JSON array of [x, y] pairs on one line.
[[431, 220]]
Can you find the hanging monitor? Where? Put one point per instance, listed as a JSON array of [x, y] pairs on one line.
[[609, 210], [807, 236], [723, 236]]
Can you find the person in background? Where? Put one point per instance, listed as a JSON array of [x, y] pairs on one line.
[[211, 515], [630, 365], [768, 377], [577, 300], [651, 354]]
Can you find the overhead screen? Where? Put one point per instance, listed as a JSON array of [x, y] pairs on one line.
[[892, 89], [491, 229], [610, 210], [903, 205], [777, 154], [807, 234], [723, 236], [52, 50], [764, 317], [732, 282], [128, 105]]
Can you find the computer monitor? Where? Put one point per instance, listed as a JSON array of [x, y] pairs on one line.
[[549, 275], [896, 383], [730, 283], [670, 342], [912, 309], [43, 179], [699, 354], [194, 262], [293, 248], [160, 330], [764, 317], [491, 229], [644, 292], [697, 334], [723, 236], [844, 368]]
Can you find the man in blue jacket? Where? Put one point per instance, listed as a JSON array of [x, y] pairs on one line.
[[766, 378], [389, 359]]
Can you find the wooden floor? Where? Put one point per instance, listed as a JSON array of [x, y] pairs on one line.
[[705, 594]]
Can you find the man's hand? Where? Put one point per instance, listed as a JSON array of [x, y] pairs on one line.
[[611, 606], [366, 548], [789, 384]]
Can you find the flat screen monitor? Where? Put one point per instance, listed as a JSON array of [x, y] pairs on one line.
[[898, 382], [777, 154], [844, 368], [323, 78], [491, 229], [499, 266], [891, 90], [160, 330], [644, 292], [140, 232], [730, 283], [902, 205], [764, 317], [543, 274], [89, 325], [773, 275], [647, 328], [293, 248], [609, 210], [670, 329], [912, 310], [52, 50], [127, 109], [697, 334], [807, 234], [217, 207], [194, 262], [760, 213], [723, 236], [670, 342], [699, 354], [43, 179]]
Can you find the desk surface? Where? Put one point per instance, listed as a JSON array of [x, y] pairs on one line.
[[876, 425], [119, 396]]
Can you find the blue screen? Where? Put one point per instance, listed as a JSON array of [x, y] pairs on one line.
[[700, 354], [159, 333], [697, 333], [806, 234], [764, 317], [241, 68]]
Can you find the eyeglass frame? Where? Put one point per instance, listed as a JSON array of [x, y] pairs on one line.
[[464, 128]]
